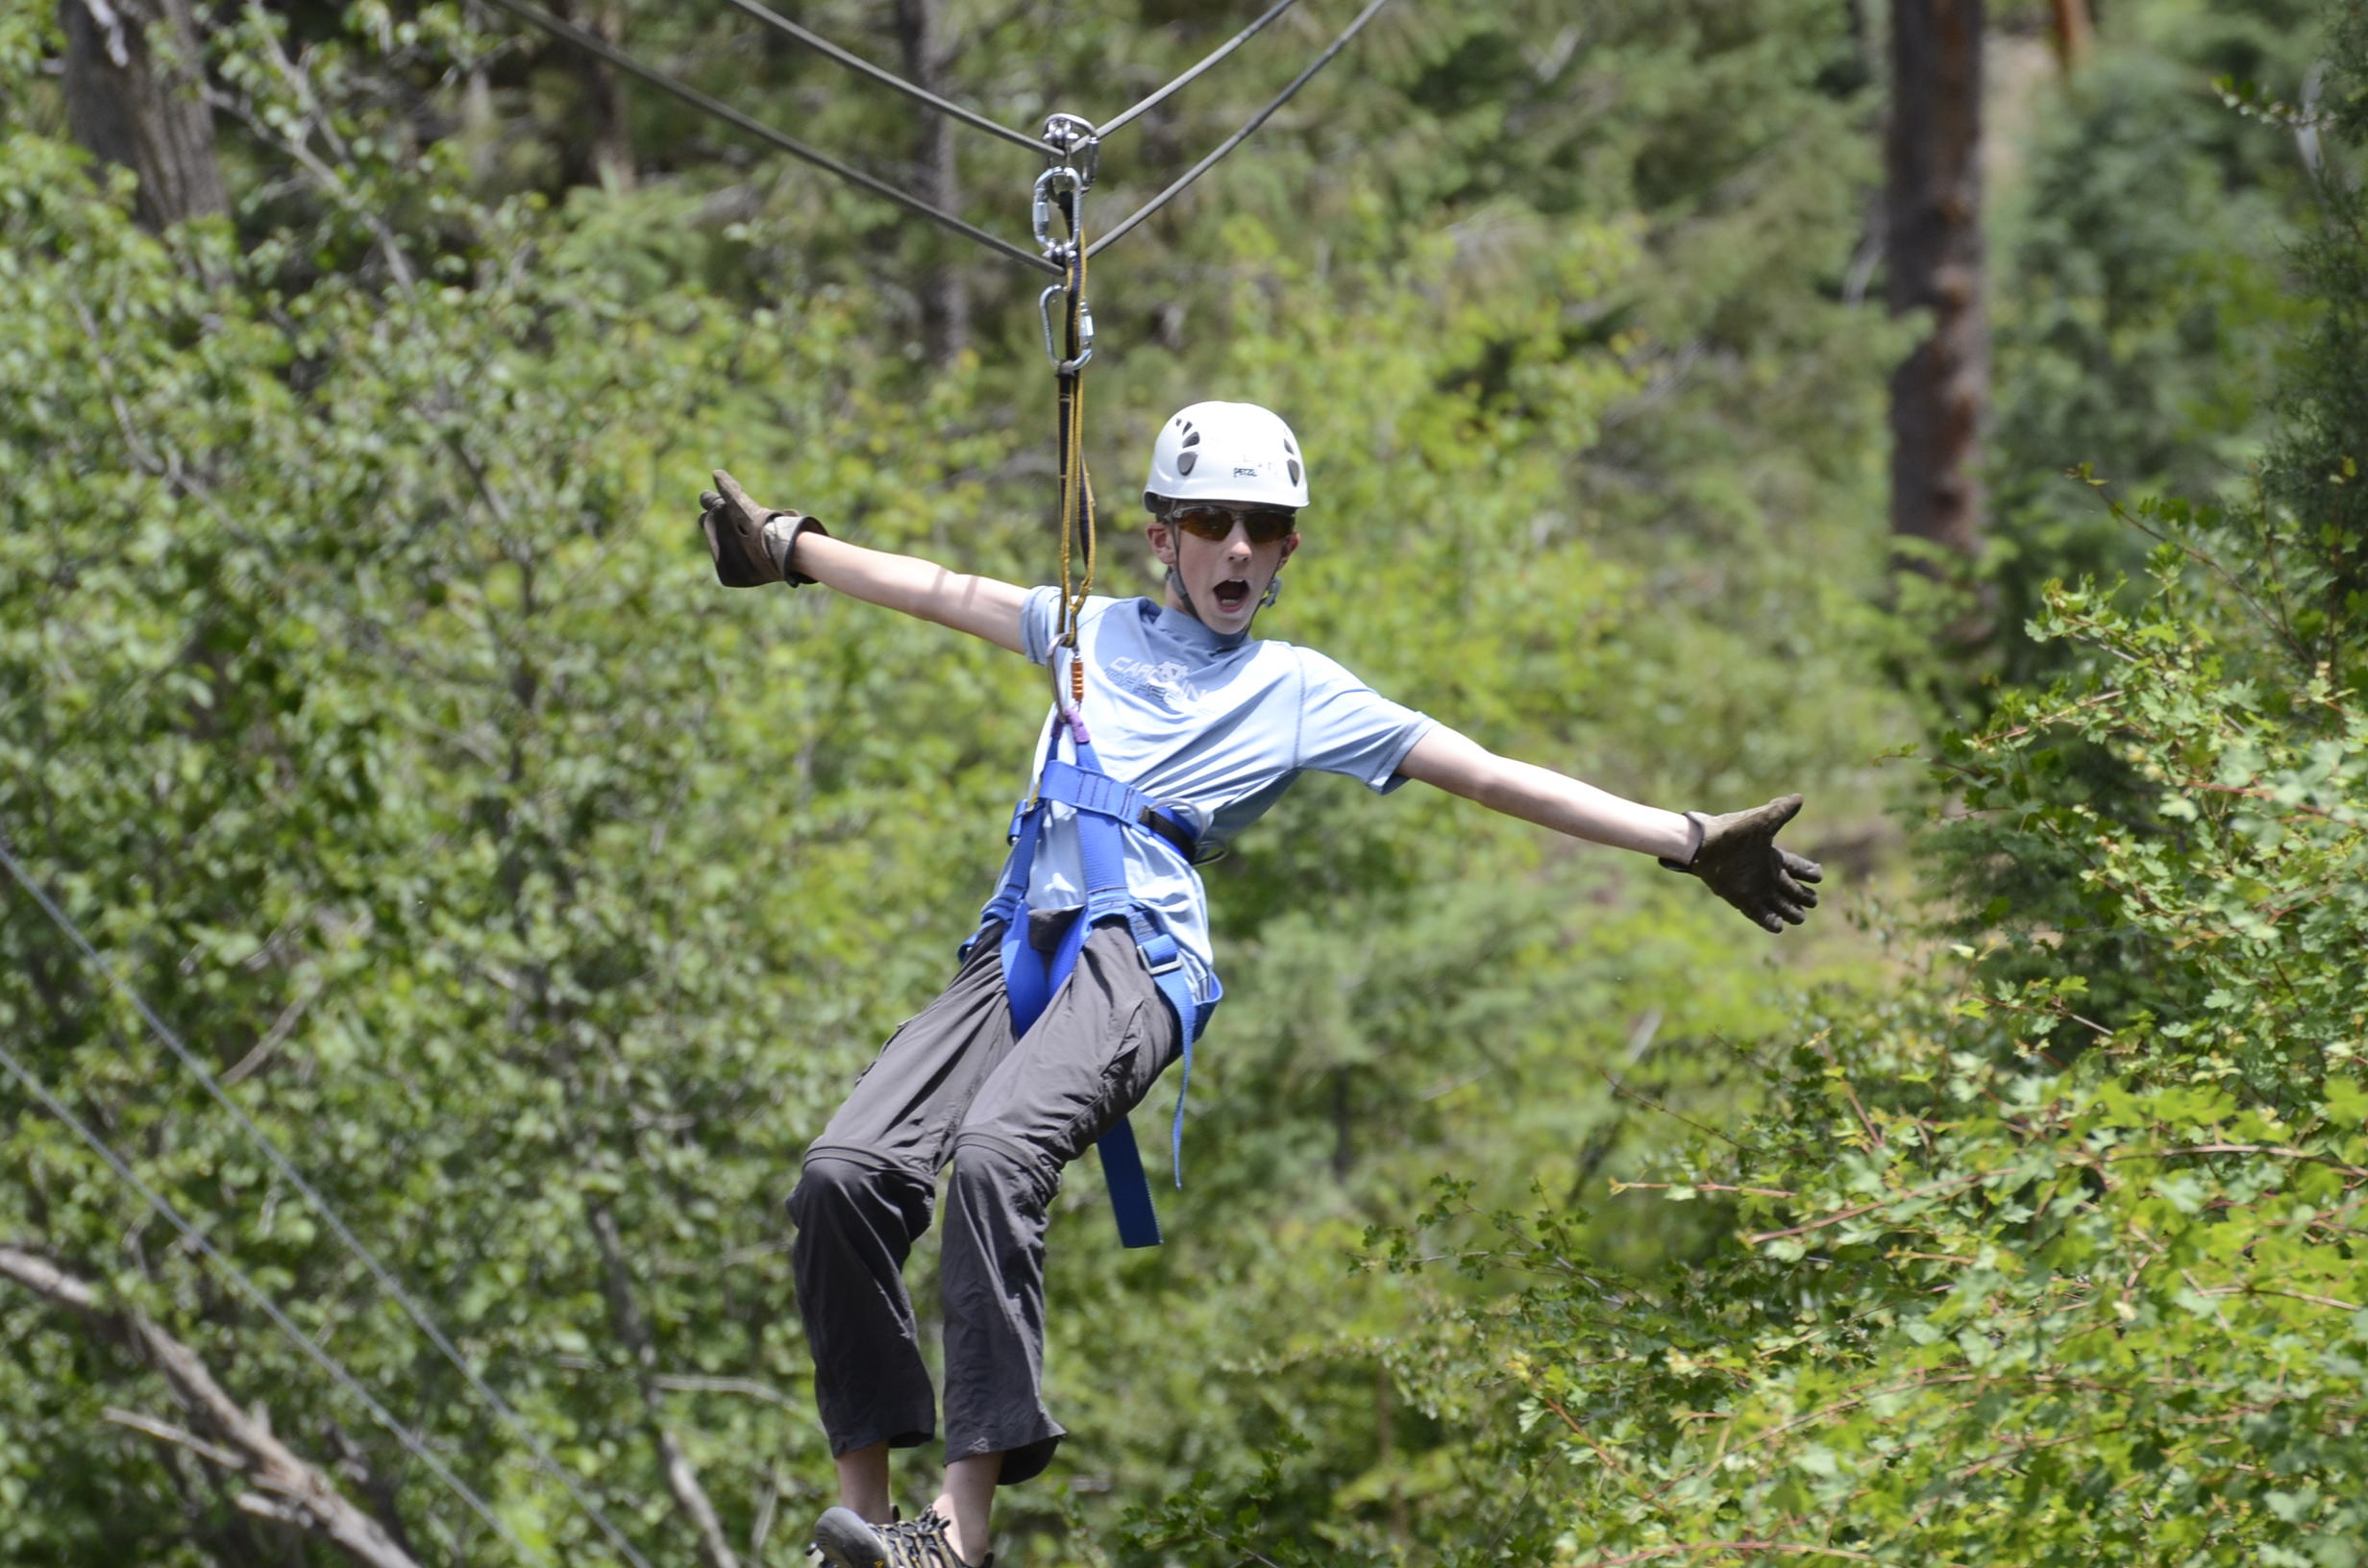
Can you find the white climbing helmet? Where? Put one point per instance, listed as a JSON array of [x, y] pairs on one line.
[[1228, 452]]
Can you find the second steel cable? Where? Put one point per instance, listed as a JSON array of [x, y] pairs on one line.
[[337, 1371], [387, 1283], [1239, 136]]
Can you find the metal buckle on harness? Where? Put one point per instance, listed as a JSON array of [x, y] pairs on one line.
[[1175, 963], [1169, 831]]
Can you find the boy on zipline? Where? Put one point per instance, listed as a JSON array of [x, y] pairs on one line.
[[1092, 971]]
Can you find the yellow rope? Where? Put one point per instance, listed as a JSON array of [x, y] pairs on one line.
[[1067, 409], [1077, 445], [1077, 497]]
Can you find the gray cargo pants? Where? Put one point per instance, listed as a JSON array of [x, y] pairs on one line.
[[954, 1084]]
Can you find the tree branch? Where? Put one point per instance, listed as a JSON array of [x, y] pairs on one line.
[[1933, 1190], [285, 1486], [625, 1315], [164, 1432]]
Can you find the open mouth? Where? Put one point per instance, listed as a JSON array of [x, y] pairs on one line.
[[1232, 593]]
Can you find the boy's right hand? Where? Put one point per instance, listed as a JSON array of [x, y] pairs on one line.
[[750, 544]]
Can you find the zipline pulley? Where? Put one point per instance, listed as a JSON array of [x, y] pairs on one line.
[[1079, 146]]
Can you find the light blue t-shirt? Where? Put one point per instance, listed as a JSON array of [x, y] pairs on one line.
[[1215, 727]]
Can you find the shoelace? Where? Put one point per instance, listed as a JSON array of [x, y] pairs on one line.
[[918, 1543]]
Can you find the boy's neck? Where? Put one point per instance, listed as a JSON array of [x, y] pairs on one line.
[[1187, 624]]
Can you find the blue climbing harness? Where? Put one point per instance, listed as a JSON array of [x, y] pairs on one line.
[[1108, 810]]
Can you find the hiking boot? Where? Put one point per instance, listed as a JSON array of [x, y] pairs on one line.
[[844, 1539]]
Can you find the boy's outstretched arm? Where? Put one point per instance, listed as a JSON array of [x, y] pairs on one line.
[[982, 606], [755, 545], [1736, 854]]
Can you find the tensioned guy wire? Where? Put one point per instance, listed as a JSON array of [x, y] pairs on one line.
[[319, 1205], [1239, 136], [254, 1292], [764, 133], [1212, 58], [856, 63]]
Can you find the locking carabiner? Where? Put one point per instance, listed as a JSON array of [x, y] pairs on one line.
[[1050, 185], [1085, 330]]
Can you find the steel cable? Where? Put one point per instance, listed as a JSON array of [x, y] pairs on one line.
[[1239, 136], [319, 1205], [254, 1292], [1188, 77], [767, 134], [857, 64]]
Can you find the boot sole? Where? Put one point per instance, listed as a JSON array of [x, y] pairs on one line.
[[846, 1541]]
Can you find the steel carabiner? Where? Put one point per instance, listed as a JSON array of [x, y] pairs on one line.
[[1050, 184], [1085, 330]]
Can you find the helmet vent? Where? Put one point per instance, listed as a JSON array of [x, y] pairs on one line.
[[1288, 447], [1295, 471], [1184, 463], [1193, 440]]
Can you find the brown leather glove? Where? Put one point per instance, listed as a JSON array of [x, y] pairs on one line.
[[751, 544], [1739, 859]]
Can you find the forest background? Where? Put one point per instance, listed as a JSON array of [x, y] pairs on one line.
[[367, 698]]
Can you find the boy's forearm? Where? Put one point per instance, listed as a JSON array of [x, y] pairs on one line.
[[1462, 765], [982, 606], [1568, 805]]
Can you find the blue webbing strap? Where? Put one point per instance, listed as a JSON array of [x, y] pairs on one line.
[[1167, 964], [1102, 846], [1131, 1189], [1099, 793], [1030, 978], [1089, 789]]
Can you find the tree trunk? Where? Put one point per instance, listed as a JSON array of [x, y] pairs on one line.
[[1940, 395], [945, 288], [613, 140], [133, 74], [2073, 31]]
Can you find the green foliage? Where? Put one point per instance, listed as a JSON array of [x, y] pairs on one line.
[[364, 692], [2050, 1255], [2011, 1285], [2017, 1287], [2314, 476], [319, 627], [2142, 295]]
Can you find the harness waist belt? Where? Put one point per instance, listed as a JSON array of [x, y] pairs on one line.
[[1099, 793]]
